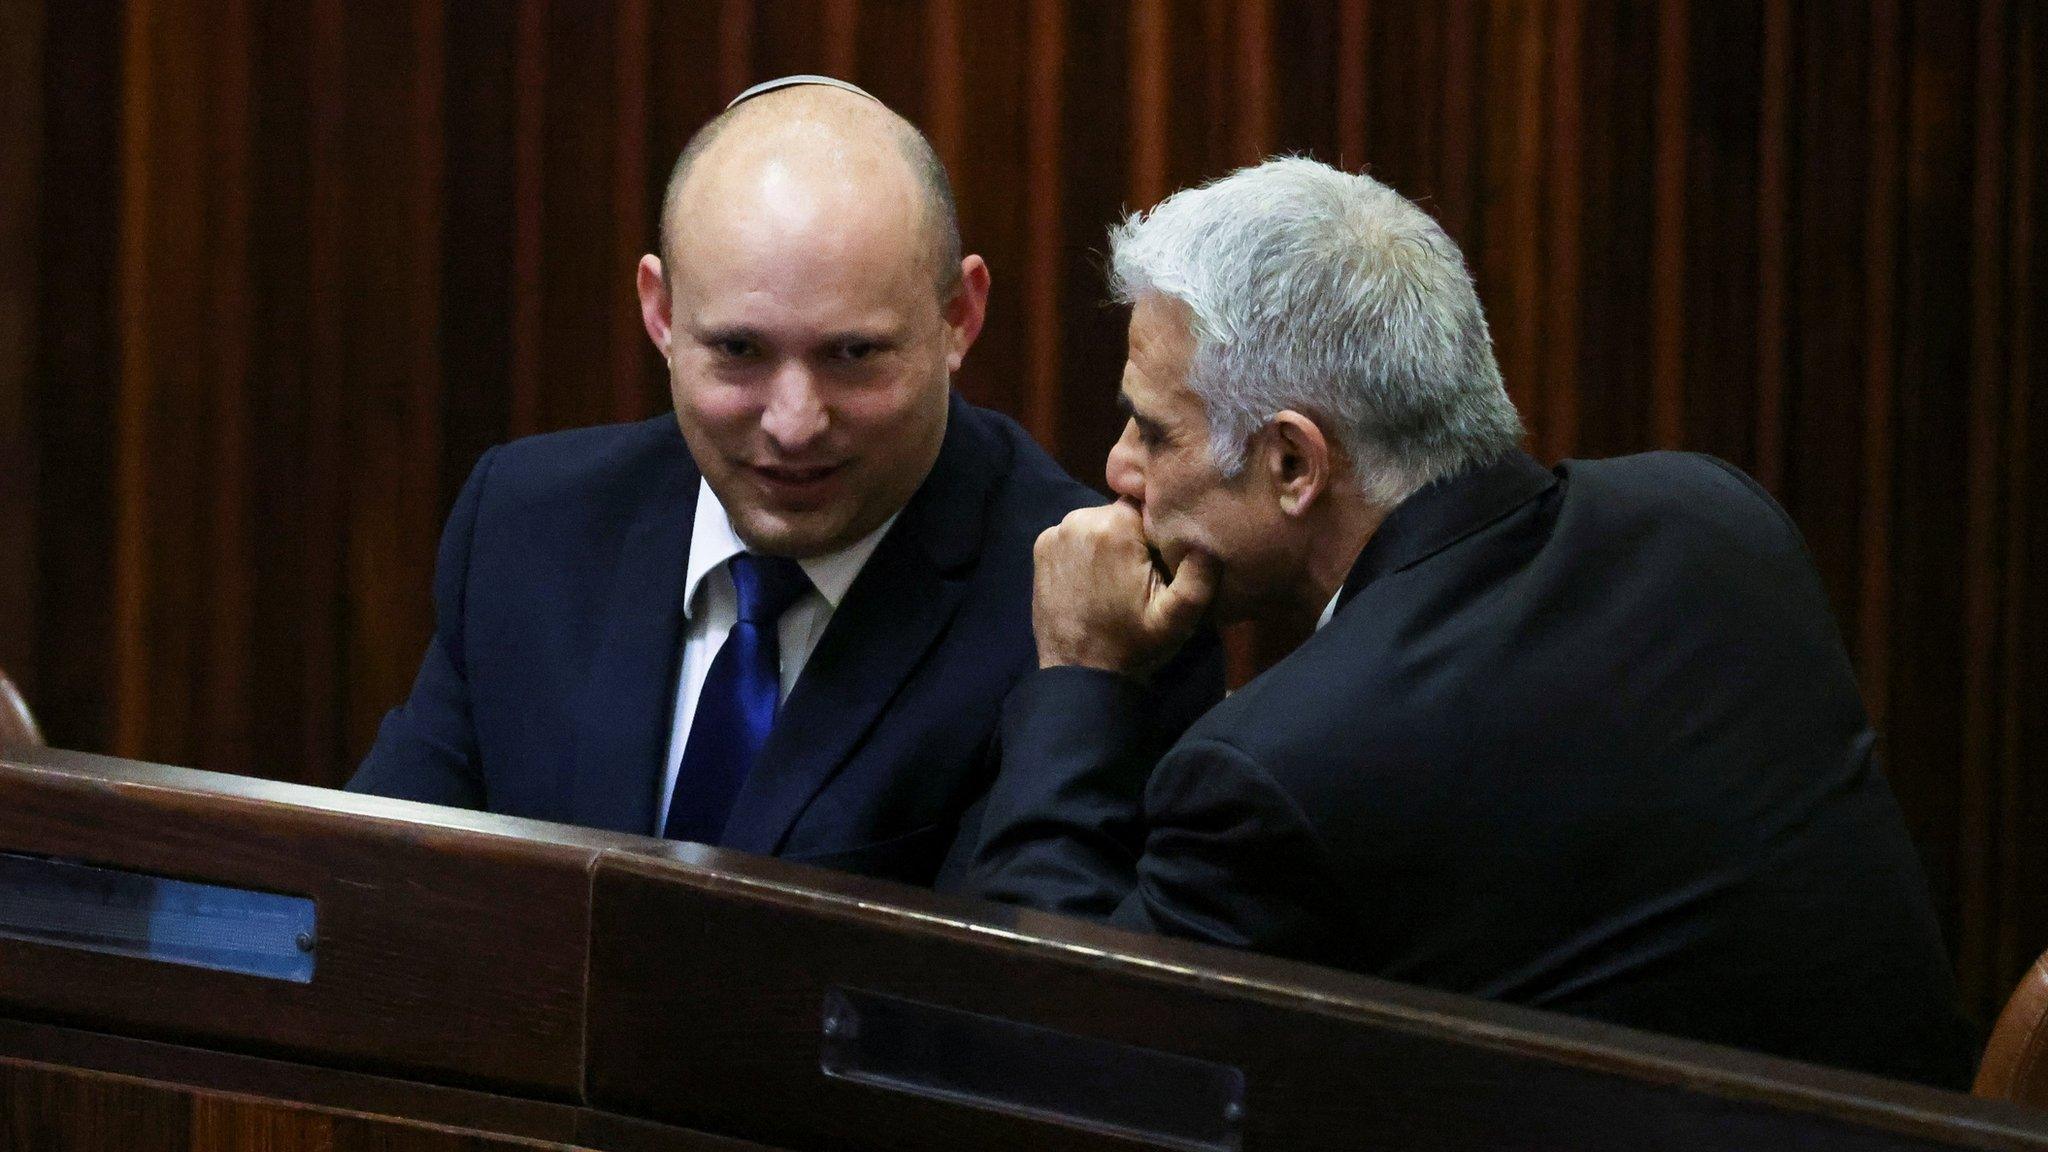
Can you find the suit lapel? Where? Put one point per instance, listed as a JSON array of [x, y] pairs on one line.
[[896, 610], [628, 700]]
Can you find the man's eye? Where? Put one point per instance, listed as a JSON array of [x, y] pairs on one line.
[[858, 350], [734, 348]]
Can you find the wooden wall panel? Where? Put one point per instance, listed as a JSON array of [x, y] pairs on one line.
[[21, 148], [72, 473], [298, 264], [52, 1109]]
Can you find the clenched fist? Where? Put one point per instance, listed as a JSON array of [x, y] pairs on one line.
[[1099, 601]]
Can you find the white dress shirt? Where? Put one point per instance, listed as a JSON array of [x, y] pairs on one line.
[[1330, 609], [711, 605]]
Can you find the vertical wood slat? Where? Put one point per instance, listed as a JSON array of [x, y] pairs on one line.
[[1044, 106], [2014, 946], [21, 179], [529, 128], [1981, 543], [1931, 447], [388, 296], [137, 354], [1557, 421], [1253, 73], [1354, 48], [1509, 236], [841, 37], [1773, 210], [735, 46], [175, 350], [1458, 126], [631, 219], [227, 721], [1873, 648], [945, 118], [1149, 48], [321, 666], [1215, 41], [1667, 276], [1099, 97], [475, 283], [77, 367], [417, 514]]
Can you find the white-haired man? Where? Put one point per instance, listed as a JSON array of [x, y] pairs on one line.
[[1584, 739]]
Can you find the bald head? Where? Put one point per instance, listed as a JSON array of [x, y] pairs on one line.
[[841, 144], [810, 359]]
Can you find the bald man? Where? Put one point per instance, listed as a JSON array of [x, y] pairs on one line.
[[782, 620]]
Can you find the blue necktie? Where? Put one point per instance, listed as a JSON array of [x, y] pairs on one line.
[[737, 706]]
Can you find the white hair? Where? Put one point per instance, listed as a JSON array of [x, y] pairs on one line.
[[1330, 294]]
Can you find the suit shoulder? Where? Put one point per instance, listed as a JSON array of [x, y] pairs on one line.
[[582, 463], [1679, 493], [1032, 488]]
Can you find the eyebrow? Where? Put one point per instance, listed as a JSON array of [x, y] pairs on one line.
[[883, 336], [1146, 424], [719, 333]]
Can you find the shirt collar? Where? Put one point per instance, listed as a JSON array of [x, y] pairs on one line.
[[1330, 609], [713, 542]]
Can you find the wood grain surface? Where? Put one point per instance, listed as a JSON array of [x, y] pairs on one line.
[[723, 1032], [55, 1109], [542, 982], [442, 954]]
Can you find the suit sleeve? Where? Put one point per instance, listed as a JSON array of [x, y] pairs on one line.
[[1060, 828], [1094, 815], [1229, 858], [426, 747]]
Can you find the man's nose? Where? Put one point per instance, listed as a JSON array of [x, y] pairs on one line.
[[794, 417], [1126, 478]]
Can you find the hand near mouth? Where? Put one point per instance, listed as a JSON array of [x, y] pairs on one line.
[[1103, 598]]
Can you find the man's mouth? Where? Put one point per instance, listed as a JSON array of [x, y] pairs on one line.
[[1159, 563], [794, 479]]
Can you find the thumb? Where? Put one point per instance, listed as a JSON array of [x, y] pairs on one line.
[[1180, 604]]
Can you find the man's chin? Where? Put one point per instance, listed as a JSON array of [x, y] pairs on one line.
[[1230, 607], [799, 536]]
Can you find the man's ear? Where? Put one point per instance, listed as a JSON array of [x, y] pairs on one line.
[[1299, 460], [655, 305], [967, 309]]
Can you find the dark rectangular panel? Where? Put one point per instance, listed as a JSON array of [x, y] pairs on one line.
[[124, 913], [996, 1063]]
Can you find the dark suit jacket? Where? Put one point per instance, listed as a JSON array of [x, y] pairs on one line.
[[549, 686], [1586, 741]]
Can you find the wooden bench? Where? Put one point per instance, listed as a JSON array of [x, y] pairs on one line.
[[480, 982]]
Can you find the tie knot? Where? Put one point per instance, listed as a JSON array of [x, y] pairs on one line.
[[767, 585]]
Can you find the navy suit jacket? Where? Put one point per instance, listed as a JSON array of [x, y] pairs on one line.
[[549, 687], [1587, 741]]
